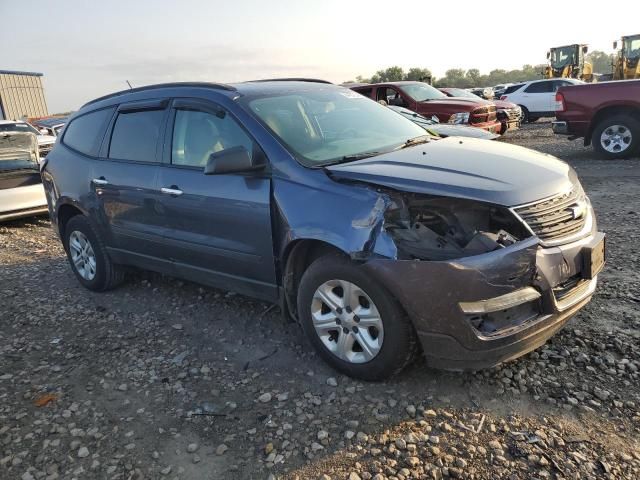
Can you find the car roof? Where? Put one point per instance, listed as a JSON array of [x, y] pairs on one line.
[[249, 88]]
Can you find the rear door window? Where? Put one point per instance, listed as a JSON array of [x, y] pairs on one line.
[[84, 134], [135, 136], [539, 87]]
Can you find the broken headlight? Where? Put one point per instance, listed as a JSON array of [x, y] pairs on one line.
[[439, 228]]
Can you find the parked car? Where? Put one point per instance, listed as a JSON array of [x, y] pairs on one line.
[[45, 142], [376, 237], [499, 89], [507, 113], [21, 192], [607, 115], [537, 98], [444, 130], [429, 101], [50, 126], [483, 92]]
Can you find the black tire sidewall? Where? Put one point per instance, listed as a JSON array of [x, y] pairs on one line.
[[525, 114], [81, 224], [631, 123], [399, 337]]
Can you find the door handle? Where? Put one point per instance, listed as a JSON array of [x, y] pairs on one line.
[[100, 181], [173, 190]]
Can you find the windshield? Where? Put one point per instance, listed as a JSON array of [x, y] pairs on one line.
[[459, 92], [321, 127], [563, 56], [421, 92], [632, 47], [18, 127]]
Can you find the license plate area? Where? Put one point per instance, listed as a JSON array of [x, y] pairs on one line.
[[593, 258]]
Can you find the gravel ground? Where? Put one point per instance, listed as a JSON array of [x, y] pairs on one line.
[[166, 379]]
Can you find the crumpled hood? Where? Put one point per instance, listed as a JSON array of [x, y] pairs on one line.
[[46, 139], [491, 172]]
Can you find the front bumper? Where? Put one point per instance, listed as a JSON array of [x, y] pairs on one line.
[[23, 201], [493, 127], [479, 311]]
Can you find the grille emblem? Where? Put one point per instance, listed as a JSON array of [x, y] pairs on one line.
[[578, 210]]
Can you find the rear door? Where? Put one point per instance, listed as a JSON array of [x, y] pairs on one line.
[[539, 96], [218, 227], [125, 180]]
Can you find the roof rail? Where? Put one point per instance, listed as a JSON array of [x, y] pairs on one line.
[[291, 79], [219, 86]]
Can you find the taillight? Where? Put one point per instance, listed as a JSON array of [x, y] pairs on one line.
[[503, 97], [559, 102]]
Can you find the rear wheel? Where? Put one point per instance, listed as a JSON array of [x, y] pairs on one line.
[[617, 136], [352, 321], [88, 257]]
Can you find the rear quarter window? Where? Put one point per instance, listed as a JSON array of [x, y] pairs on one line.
[[85, 133]]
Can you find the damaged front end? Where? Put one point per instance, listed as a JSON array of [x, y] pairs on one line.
[[479, 285]]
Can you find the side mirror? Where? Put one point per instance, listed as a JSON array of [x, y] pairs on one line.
[[585, 49], [548, 54], [615, 45], [232, 160]]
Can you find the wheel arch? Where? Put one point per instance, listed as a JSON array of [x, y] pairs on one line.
[[607, 112], [296, 258], [65, 212]]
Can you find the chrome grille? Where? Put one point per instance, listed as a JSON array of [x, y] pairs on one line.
[[558, 217]]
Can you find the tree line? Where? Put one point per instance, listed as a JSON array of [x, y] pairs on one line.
[[458, 77]]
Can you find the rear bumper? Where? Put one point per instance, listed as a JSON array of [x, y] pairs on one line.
[[479, 311], [20, 202], [560, 128]]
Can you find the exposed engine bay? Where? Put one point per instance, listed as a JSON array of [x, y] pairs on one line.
[[439, 228]]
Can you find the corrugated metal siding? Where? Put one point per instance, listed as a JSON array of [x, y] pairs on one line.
[[22, 95]]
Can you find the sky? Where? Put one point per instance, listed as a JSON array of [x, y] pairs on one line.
[[86, 49]]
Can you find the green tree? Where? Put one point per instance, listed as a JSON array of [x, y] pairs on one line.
[[600, 60], [418, 74], [391, 74], [473, 77]]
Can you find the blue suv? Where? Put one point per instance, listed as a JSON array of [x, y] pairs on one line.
[[378, 238]]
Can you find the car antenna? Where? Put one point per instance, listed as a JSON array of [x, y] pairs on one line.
[[130, 87]]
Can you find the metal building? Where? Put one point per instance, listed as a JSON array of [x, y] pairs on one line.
[[21, 95]]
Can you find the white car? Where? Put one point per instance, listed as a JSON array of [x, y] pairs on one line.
[[21, 192], [537, 98], [45, 142]]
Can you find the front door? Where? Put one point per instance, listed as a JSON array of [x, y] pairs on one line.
[[125, 180], [218, 226]]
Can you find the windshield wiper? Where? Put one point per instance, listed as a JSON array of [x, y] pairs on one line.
[[415, 141], [352, 158]]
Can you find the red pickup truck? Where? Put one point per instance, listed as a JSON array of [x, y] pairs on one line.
[[606, 114], [428, 101]]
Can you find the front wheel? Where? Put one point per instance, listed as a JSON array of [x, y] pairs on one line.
[[524, 115], [353, 322], [617, 136]]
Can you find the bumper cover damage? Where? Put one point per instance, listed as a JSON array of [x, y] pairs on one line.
[[481, 310]]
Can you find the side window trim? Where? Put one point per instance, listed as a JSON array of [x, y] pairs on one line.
[[132, 107], [199, 105]]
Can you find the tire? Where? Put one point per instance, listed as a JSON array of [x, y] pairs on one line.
[[617, 136], [524, 118], [99, 273], [392, 342]]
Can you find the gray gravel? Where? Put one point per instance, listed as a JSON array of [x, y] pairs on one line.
[[166, 379]]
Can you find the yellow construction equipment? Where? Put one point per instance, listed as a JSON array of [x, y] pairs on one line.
[[568, 62], [626, 64]]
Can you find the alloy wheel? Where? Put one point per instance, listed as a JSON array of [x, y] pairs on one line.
[[82, 255], [347, 321], [616, 138]]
